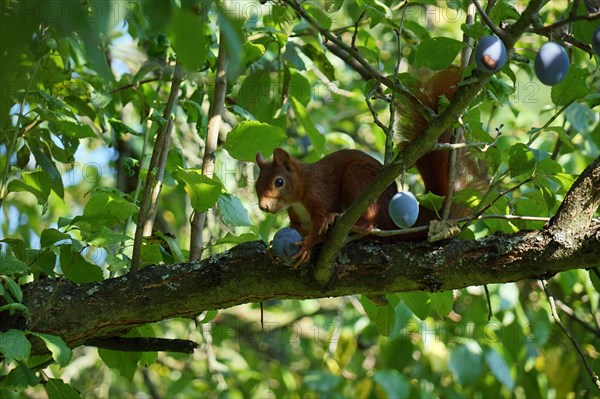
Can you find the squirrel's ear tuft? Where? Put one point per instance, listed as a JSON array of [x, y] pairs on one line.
[[260, 160], [280, 156]]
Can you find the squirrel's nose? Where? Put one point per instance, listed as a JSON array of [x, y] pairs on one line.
[[263, 206]]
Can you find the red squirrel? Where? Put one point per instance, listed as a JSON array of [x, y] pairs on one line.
[[313, 194]]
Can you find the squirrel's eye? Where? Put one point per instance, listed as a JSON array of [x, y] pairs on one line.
[[278, 182]]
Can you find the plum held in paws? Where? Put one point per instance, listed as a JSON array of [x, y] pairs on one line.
[[404, 209], [285, 244], [551, 64], [490, 54]]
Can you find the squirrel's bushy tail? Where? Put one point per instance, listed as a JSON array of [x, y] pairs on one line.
[[433, 89]]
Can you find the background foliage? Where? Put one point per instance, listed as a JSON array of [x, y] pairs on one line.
[[84, 86]]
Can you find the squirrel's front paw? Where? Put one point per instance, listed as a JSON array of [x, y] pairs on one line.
[[304, 254], [327, 222]]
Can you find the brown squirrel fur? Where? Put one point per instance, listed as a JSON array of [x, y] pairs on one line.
[[314, 193]]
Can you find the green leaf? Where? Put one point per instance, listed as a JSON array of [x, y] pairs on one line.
[[14, 345], [233, 239], [299, 87], [437, 53], [548, 166], [15, 307], [296, 57], [318, 14], [499, 368], [58, 389], [247, 116], [202, 190], [581, 117], [320, 60], [106, 237], [76, 268], [37, 183], [466, 363], [67, 124], [107, 208], [233, 211], [10, 265], [20, 377], [393, 383], [52, 236], [441, 302], [121, 127], [252, 52], [260, 96], [431, 201], [521, 161], [172, 245], [13, 288], [321, 381], [250, 137], [316, 138], [384, 317], [573, 87], [42, 155], [61, 353], [124, 362], [418, 302], [190, 39]]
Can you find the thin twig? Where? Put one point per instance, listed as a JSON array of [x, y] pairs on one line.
[[502, 194], [564, 329], [370, 94], [418, 229], [483, 147], [465, 57], [497, 31], [389, 138], [371, 70], [547, 29], [156, 168], [489, 302], [356, 24], [216, 109], [452, 165], [571, 313], [134, 84]]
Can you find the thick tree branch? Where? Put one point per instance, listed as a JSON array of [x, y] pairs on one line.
[[248, 273]]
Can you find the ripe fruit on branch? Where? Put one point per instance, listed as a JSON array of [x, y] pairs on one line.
[[551, 64], [490, 54], [404, 209]]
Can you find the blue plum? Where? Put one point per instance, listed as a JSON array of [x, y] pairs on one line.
[[551, 64], [404, 209], [284, 243], [490, 54]]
